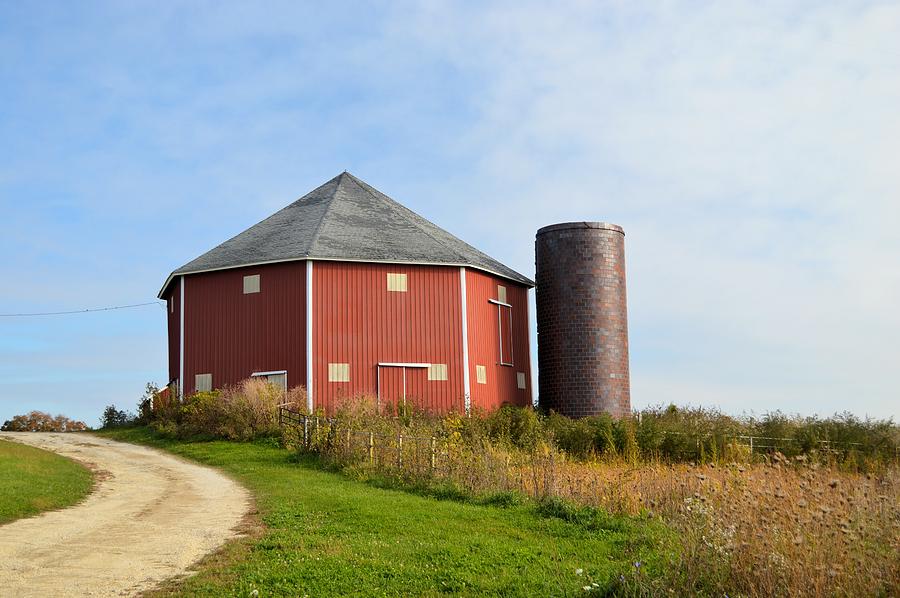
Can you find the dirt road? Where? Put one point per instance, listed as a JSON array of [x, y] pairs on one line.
[[151, 517]]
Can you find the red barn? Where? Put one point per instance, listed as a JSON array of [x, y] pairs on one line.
[[347, 292]]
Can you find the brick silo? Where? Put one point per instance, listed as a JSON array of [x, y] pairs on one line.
[[582, 319]]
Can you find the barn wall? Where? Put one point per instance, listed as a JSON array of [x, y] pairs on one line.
[[484, 342], [231, 335], [173, 317], [359, 322]]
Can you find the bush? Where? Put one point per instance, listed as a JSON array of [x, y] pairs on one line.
[[38, 421], [246, 411], [145, 404]]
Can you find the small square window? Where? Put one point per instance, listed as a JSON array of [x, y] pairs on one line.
[[251, 284], [520, 380], [339, 372], [501, 294], [481, 374], [396, 282], [203, 382], [437, 371]]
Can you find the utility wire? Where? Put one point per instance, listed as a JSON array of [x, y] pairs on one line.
[[81, 311]]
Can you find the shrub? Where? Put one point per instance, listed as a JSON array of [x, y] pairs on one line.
[[242, 412], [38, 421], [146, 404]]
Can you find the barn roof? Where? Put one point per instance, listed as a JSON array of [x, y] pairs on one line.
[[345, 219]]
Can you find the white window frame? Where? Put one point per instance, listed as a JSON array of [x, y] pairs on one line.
[[397, 282], [437, 372], [272, 373], [196, 385], [255, 281], [500, 305], [521, 380], [332, 369], [480, 374]]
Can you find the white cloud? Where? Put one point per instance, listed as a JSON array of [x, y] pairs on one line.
[[749, 149]]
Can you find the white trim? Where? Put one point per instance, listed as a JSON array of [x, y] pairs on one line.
[[309, 335], [500, 303], [382, 364], [181, 343], [530, 379], [272, 373], [467, 388], [529, 283], [512, 357]]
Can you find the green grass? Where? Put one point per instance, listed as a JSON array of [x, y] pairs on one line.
[[327, 535], [32, 480]]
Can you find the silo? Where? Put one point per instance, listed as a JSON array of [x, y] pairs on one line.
[[582, 319]]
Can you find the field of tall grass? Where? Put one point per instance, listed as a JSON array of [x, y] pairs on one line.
[[821, 521], [775, 505]]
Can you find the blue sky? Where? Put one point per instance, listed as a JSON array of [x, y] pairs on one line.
[[749, 149]]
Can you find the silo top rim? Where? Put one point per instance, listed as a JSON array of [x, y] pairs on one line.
[[581, 225]]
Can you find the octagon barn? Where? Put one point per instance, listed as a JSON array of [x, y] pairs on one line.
[[347, 292]]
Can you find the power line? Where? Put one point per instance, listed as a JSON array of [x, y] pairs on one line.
[[82, 311]]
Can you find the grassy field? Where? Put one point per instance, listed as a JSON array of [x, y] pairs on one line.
[[326, 535], [32, 480]]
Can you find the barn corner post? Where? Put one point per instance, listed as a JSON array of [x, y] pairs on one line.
[[467, 390], [582, 319], [309, 336]]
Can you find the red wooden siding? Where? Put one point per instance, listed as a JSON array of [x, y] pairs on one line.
[[173, 317], [484, 342], [231, 335], [357, 321]]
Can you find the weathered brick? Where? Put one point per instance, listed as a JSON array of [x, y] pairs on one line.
[[582, 319]]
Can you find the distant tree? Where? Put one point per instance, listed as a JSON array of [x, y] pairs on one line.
[[38, 421], [114, 418]]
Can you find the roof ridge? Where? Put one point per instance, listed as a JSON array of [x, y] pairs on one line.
[[363, 185], [318, 229]]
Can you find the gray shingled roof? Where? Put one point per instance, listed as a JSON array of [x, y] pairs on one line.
[[346, 219]]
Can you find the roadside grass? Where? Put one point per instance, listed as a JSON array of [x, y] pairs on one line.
[[327, 535], [33, 480]]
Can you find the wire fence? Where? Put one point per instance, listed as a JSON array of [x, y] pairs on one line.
[[431, 453]]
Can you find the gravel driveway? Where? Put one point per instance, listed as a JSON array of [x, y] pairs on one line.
[[151, 517]]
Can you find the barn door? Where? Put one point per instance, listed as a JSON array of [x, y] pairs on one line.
[[390, 387], [416, 387], [401, 384]]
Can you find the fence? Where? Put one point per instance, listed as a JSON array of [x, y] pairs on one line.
[[476, 469], [319, 433]]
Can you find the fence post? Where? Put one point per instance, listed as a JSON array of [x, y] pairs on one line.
[[400, 450], [433, 452], [306, 432], [751, 446], [371, 448]]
